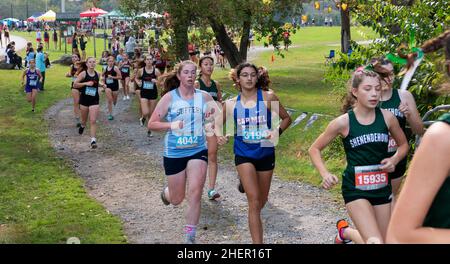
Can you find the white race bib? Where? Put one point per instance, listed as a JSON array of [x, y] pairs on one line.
[[148, 85], [370, 177], [91, 91]]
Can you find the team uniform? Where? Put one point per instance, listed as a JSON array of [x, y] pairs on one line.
[[438, 215], [251, 129], [32, 80], [187, 143], [393, 106], [89, 94], [148, 88], [365, 147], [125, 70], [111, 83], [212, 90]]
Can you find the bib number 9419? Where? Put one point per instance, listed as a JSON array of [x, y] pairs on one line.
[[370, 178]]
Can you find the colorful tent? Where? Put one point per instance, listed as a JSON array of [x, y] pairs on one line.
[[93, 12], [115, 14], [150, 15], [33, 18], [50, 16]]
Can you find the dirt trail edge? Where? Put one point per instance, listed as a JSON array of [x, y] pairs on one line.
[[126, 175]]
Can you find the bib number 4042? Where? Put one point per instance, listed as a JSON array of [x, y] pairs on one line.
[[187, 142]]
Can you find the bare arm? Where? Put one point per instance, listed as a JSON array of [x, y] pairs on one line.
[[219, 92], [138, 78], [400, 138], [277, 109], [155, 123], [409, 108], [428, 170], [339, 126], [69, 74], [78, 84], [23, 77]]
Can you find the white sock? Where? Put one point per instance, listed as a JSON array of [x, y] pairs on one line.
[[93, 139]]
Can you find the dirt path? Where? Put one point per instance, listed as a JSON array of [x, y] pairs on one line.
[[126, 175], [21, 43]]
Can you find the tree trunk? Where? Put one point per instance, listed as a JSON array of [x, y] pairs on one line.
[[180, 42], [345, 30], [231, 52], [245, 36]]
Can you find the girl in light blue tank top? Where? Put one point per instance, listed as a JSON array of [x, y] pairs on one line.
[[190, 139], [183, 112]]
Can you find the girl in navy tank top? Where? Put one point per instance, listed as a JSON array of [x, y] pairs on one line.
[[33, 77]]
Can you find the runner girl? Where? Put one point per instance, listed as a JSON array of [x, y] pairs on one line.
[[366, 187], [111, 76], [31, 83], [253, 111], [87, 81], [422, 213], [402, 104], [125, 68], [146, 79], [75, 92], [137, 89], [185, 153], [205, 83]]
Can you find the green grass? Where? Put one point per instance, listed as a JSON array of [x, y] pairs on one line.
[[42, 200]]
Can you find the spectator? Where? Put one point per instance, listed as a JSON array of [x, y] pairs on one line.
[[75, 43], [55, 38], [13, 58], [40, 64], [31, 55], [83, 47], [47, 40], [38, 36], [47, 60], [116, 46], [130, 45]]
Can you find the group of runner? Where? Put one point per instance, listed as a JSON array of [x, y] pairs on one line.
[[372, 128]]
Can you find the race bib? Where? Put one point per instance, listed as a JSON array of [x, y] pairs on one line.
[[187, 142], [148, 85], [91, 91], [392, 147], [370, 177], [254, 136], [109, 80], [33, 83], [104, 67], [125, 70]]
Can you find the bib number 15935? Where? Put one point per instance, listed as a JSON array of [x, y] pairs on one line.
[[370, 177]]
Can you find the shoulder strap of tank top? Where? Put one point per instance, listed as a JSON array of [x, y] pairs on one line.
[[445, 118]]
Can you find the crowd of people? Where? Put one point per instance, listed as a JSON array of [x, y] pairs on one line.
[[187, 104]]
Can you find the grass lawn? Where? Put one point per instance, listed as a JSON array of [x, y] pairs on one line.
[[42, 199]]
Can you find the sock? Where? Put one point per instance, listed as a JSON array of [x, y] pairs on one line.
[[341, 234], [190, 231], [93, 139]]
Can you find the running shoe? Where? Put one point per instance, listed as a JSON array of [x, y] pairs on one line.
[[78, 124], [110, 117], [163, 197], [32, 110], [93, 144], [142, 121], [149, 133], [213, 194], [340, 225], [241, 187], [124, 98], [189, 239], [80, 130]]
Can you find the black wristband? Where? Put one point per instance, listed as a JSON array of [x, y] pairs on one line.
[[280, 131]]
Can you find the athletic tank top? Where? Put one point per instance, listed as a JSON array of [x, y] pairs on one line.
[[91, 90], [32, 79], [439, 213], [393, 106], [365, 147], [251, 127], [212, 90], [147, 79], [125, 69], [190, 139], [110, 82]]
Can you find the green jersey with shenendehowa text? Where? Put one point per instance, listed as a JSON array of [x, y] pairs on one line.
[[439, 214], [365, 147]]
